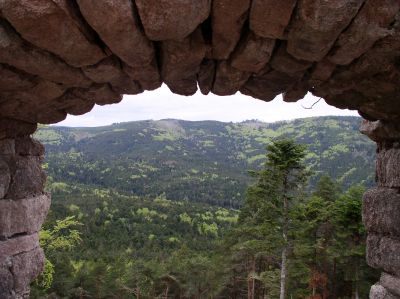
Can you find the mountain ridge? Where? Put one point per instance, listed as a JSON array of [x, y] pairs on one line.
[[204, 161]]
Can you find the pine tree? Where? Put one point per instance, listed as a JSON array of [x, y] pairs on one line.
[[327, 189], [349, 245], [270, 200]]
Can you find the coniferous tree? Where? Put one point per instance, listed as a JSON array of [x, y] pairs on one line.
[[277, 190]]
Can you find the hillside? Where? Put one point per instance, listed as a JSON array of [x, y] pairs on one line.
[[204, 161], [144, 210]]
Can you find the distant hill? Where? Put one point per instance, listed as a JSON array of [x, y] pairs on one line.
[[202, 161]]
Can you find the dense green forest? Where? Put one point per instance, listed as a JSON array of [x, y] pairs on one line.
[[202, 161], [176, 209]]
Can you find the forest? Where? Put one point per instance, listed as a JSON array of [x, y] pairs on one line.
[[203, 161], [295, 230]]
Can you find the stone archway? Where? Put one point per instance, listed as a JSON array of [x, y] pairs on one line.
[[60, 57]]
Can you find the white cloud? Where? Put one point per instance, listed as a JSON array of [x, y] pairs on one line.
[[162, 104]]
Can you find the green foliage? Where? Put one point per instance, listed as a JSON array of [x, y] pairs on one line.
[[269, 204], [45, 279], [157, 199], [200, 161], [61, 237], [57, 239]]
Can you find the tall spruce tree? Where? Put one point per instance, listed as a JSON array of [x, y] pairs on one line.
[[278, 188]]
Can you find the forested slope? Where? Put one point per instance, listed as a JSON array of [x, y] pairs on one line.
[[150, 209], [202, 161]]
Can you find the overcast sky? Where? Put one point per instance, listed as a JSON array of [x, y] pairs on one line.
[[161, 104]]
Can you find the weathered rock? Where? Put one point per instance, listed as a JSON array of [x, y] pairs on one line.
[[5, 178], [379, 292], [46, 25], [100, 94], [391, 283], [11, 80], [180, 63], [381, 58], [7, 147], [285, 63], [21, 259], [321, 73], [296, 92], [26, 146], [74, 104], [16, 52], [105, 71], [14, 246], [381, 130], [28, 178], [369, 84], [11, 128], [109, 71], [316, 26], [388, 166], [381, 210], [269, 18], [6, 279], [50, 115], [228, 17], [228, 80], [383, 253], [26, 267], [41, 95], [342, 89], [109, 17], [46, 90], [252, 53], [206, 76], [148, 75], [33, 107], [371, 24], [267, 86], [172, 19], [354, 91], [125, 85], [23, 216]]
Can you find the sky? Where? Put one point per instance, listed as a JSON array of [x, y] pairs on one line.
[[162, 104]]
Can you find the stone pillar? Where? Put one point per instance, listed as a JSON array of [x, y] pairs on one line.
[[23, 208], [381, 209]]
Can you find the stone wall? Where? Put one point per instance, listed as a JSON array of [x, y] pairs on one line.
[[381, 210], [60, 57], [23, 208]]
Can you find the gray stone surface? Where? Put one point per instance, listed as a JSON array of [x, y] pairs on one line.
[[18, 245], [26, 267], [7, 147], [23, 216], [381, 210], [383, 253], [391, 283], [388, 166], [6, 279], [379, 292], [26, 146], [23, 209], [5, 178], [28, 179], [380, 130], [316, 26]]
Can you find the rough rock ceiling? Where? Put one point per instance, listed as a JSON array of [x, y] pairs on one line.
[[60, 57]]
